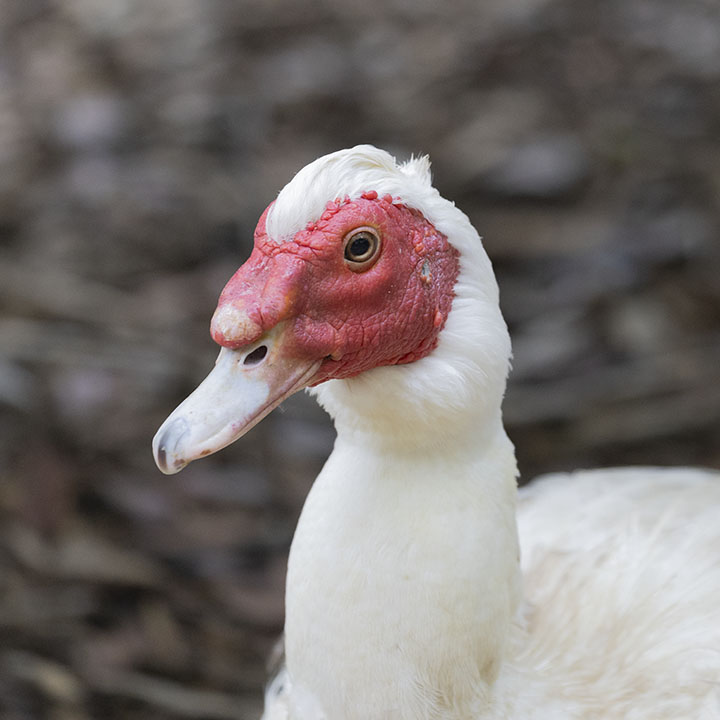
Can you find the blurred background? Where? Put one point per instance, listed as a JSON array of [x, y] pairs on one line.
[[139, 142]]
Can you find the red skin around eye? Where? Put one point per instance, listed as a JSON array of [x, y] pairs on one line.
[[390, 313]]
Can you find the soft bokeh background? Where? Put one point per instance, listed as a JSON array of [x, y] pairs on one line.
[[139, 142]]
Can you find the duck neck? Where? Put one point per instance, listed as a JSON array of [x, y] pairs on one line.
[[403, 579]]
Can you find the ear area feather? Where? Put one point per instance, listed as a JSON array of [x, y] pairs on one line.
[[418, 167]]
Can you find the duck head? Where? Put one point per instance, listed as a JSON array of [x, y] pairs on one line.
[[334, 287]]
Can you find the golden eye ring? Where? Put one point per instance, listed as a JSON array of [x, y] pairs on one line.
[[361, 248]]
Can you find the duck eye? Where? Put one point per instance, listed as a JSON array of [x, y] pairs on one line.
[[361, 248]]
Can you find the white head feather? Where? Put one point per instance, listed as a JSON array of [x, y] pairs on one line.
[[468, 369], [346, 173]]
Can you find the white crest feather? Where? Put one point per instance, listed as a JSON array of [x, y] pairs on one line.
[[418, 167], [347, 173]]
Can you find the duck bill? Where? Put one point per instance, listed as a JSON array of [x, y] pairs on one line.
[[242, 388]]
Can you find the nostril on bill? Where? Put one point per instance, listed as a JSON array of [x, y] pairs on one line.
[[256, 356]]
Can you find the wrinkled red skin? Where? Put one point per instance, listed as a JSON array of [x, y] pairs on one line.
[[390, 314]]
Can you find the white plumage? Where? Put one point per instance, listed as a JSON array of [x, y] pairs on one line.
[[409, 596]]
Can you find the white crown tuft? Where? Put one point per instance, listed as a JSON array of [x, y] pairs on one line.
[[348, 173]]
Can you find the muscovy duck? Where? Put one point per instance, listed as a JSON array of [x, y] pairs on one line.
[[407, 597]]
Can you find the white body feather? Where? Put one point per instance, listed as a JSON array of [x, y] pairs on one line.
[[405, 597]]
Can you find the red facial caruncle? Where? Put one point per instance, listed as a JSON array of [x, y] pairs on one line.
[[353, 316]]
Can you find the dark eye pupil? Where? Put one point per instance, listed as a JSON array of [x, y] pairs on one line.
[[362, 247], [359, 246]]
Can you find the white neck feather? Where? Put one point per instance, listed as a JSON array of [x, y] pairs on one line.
[[403, 579], [403, 582]]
